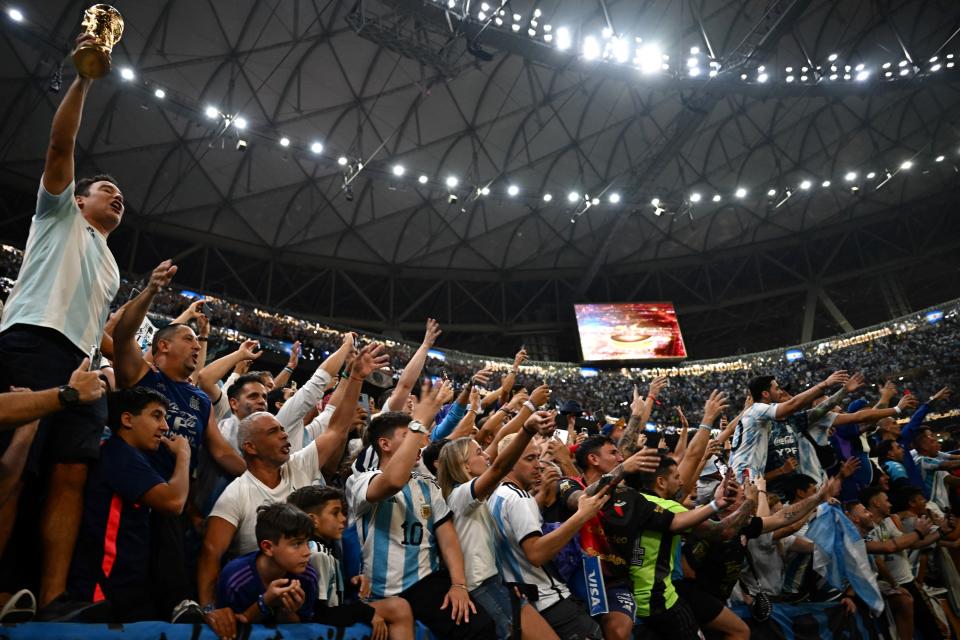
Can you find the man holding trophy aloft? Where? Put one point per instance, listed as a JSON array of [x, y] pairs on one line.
[[52, 321]]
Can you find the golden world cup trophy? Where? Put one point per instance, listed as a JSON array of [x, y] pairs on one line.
[[105, 24]]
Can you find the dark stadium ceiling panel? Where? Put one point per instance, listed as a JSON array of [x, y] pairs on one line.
[[410, 90]]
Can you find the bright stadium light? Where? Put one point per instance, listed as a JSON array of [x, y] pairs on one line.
[[564, 40], [851, 176], [906, 165], [211, 111], [15, 14], [342, 161], [513, 190], [573, 196], [316, 147], [398, 170], [160, 93], [649, 58], [240, 122], [452, 182], [741, 192], [547, 197], [695, 197], [591, 48], [806, 184], [423, 179], [614, 198], [127, 74], [284, 141]]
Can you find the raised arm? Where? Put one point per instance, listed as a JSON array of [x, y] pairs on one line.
[[792, 513], [869, 416], [331, 442], [852, 384], [506, 383], [216, 370], [396, 472], [411, 372], [804, 398], [541, 549], [541, 422], [281, 379], [128, 364], [640, 410], [715, 405], [58, 169]]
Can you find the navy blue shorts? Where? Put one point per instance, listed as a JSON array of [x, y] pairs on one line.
[[620, 600], [39, 358]]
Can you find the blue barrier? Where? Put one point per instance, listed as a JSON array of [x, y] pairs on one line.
[[158, 630]]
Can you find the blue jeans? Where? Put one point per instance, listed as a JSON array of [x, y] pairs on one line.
[[493, 596]]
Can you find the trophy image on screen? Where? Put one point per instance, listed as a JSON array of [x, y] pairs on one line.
[[105, 24]]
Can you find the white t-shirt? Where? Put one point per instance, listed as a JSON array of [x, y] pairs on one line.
[[897, 563], [293, 410], [239, 501], [68, 277], [751, 439], [809, 463], [475, 528], [397, 535], [516, 517]]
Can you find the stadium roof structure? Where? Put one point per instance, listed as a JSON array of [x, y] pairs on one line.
[[378, 161]]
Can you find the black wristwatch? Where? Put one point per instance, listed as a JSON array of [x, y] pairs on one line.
[[68, 396]]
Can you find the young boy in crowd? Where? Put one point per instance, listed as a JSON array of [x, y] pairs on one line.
[[282, 563], [390, 617], [112, 558]]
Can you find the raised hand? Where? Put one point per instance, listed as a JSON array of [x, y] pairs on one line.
[[855, 382], [432, 332], [683, 419], [517, 400], [943, 394], [519, 359], [644, 461], [371, 358], [714, 406], [429, 403], [540, 395], [203, 326], [907, 403], [87, 383], [475, 398], [657, 386], [542, 422], [161, 276], [446, 393], [849, 467], [482, 377], [837, 377], [636, 405], [589, 506], [887, 392], [195, 310], [294, 358], [248, 350]]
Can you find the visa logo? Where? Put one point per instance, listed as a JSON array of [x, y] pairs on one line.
[[593, 588]]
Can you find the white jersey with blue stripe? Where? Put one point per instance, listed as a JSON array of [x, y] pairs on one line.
[[397, 535], [516, 517], [751, 439], [68, 277]]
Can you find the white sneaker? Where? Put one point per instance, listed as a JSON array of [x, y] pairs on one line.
[[933, 591]]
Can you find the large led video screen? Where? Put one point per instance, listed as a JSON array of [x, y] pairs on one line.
[[631, 331]]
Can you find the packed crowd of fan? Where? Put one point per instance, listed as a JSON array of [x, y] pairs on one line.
[[157, 485]]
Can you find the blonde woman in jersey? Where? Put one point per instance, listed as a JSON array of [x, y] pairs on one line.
[[467, 478]]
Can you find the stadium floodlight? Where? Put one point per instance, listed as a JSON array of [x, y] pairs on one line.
[[127, 74], [160, 93], [825, 184], [655, 202], [211, 112], [573, 196], [284, 141], [316, 147], [614, 198], [398, 170], [717, 198], [806, 184], [772, 192], [741, 192], [342, 161], [851, 176], [695, 197], [452, 182], [591, 48], [547, 197], [564, 40], [423, 179], [15, 14], [240, 122], [940, 158], [513, 190], [906, 165], [648, 58]]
